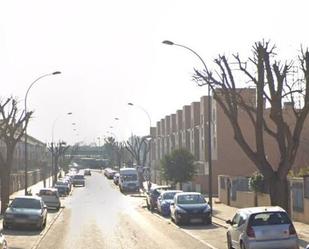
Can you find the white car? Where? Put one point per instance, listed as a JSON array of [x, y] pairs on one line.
[[51, 198], [3, 242], [261, 228]]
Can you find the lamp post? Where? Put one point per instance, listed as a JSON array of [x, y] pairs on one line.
[[52, 145], [26, 136], [209, 121], [144, 110]]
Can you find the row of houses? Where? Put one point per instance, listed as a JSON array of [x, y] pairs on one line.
[[188, 128]]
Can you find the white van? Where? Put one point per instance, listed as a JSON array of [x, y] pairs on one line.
[[128, 180]]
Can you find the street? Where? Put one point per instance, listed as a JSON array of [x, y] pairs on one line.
[[99, 216]]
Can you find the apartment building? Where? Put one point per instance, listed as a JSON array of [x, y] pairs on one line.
[[188, 128]]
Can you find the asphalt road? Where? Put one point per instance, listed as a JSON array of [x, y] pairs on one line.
[[99, 216]]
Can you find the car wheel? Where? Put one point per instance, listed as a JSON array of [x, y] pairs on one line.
[[229, 242], [207, 221], [4, 226]]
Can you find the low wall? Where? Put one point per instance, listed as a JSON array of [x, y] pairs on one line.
[[17, 181]]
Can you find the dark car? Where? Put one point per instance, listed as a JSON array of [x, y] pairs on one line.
[[87, 172], [190, 207], [164, 201], [63, 187], [152, 196], [26, 211]]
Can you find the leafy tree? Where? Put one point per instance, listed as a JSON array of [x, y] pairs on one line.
[[178, 167], [274, 84], [12, 128]]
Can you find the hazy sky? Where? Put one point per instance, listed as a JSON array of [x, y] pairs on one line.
[[110, 53]]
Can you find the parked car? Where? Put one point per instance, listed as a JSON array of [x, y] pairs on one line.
[[50, 196], [3, 242], [152, 196], [109, 173], [63, 186], [128, 180], [261, 227], [164, 200], [190, 207], [79, 180], [116, 178], [87, 172], [26, 211]]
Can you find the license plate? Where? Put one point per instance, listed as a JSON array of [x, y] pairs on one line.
[[21, 221], [194, 220]]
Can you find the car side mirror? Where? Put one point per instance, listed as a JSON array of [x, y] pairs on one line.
[[45, 207], [229, 222], [172, 203]]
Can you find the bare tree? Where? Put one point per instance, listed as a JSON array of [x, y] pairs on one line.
[[272, 84], [12, 127], [138, 147], [57, 150]]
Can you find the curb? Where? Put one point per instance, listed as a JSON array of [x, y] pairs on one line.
[[45, 231]]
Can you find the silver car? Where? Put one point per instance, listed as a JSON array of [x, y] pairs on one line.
[[261, 228], [3, 242], [26, 211]]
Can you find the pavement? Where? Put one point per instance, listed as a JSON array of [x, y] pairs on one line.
[[222, 212]]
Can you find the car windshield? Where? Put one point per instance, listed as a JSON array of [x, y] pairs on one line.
[[169, 196], [26, 203], [78, 177], [61, 183], [190, 199], [129, 177], [269, 218], [48, 192]]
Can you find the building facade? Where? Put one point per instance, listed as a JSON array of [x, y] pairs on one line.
[[188, 128]]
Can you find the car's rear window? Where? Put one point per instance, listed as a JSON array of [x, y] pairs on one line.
[[169, 195], [48, 192], [269, 218], [190, 199], [78, 177], [127, 178], [26, 203]]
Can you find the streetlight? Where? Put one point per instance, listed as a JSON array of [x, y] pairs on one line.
[[144, 110], [209, 121], [26, 136]]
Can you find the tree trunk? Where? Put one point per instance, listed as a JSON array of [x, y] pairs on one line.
[[5, 189], [278, 189], [56, 169]]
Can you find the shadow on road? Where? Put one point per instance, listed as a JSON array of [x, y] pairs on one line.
[[198, 226], [21, 232]]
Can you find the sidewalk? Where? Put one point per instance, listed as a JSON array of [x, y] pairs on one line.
[[33, 188]]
